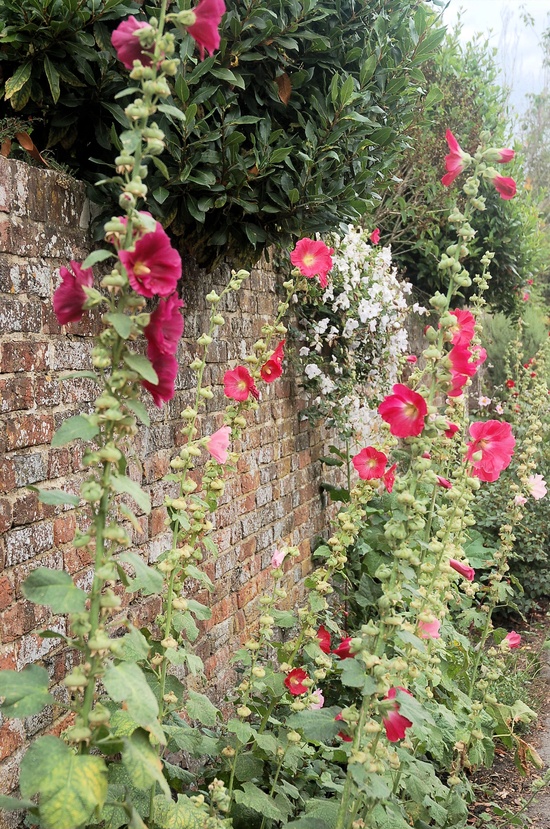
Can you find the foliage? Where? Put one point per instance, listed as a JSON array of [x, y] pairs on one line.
[[288, 130], [500, 336]]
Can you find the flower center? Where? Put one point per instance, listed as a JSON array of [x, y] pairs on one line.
[[410, 410], [309, 259], [141, 269]]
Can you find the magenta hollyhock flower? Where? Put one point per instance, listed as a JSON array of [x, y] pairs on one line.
[[166, 325], [69, 297], [404, 410], [273, 368], [506, 187], [451, 429], [463, 331], [395, 724], [126, 42], [375, 236], [205, 29], [429, 630], [464, 569], [455, 162], [238, 384], [495, 441], [153, 266], [166, 367], [513, 639], [369, 463], [316, 706], [505, 154], [278, 557], [294, 682], [312, 259], [444, 482], [389, 477], [218, 444], [463, 367], [323, 636], [343, 651], [411, 358], [342, 734]]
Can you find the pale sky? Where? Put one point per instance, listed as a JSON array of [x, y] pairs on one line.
[[519, 51]]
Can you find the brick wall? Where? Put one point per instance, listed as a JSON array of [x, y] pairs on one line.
[[275, 495]]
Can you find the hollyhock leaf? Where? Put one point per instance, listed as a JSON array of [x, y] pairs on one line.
[[254, 798], [316, 725], [126, 683], [55, 589], [15, 804], [75, 427], [248, 767], [55, 497], [141, 760], [137, 407], [121, 323], [200, 611], [284, 618], [199, 707], [97, 256], [121, 483], [242, 730], [142, 366], [147, 579], [25, 692]]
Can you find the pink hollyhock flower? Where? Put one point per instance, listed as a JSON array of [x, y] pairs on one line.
[[526, 296], [343, 650], [343, 736], [513, 639], [153, 266], [444, 482], [520, 500], [312, 259], [166, 367], [411, 358], [464, 569], [369, 463], [498, 155], [456, 161], [451, 430], [238, 384], [323, 636], [205, 29], [395, 724], [404, 410], [294, 682], [463, 331], [375, 236], [316, 706], [278, 557], [536, 486], [272, 368], [69, 297], [506, 187], [495, 441], [463, 367], [126, 42], [389, 477], [218, 444], [166, 325], [429, 630]]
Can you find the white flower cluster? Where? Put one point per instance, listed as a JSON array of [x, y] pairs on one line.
[[353, 335]]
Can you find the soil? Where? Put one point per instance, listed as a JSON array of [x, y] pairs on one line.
[[502, 788]]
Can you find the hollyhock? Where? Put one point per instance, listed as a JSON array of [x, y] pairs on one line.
[[513, 639], [166, 325], [526, 296], [324, 639], [411, 358], [218, 444], [316, 706], [498, 155], [166, 367], [343, 736], [463, 331], [389, 477], [444, 482], [375, 236], [495, 441], [126, 42], [312, 258], [272, 368], [205, 29], [506, 187], [238, 384], [520, 500], [153, 266], [536, 486], [370, 463], [464, 569], [404, 410], [510, 384], [343, 650], [451, 429], [395, 724], [69, 297], [463, 367], [456, 161], [429, 630], [278, 557], [294, 682]]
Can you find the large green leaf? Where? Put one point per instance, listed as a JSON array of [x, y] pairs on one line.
[[121, 483], [75, 427], [147, 579], [142, 366], [254, 798], [199, 707], [55, 497], [18, 79], [142, 762], [70, 787], [185, 814], [54, 588], [25, 692], [127, 683], [317, 725]]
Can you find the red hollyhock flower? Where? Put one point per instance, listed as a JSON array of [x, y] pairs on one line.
[[464, 329], [404, 410], [510, 384], [312, 259], [395, 724], [69, 297], [153, 266], [166, 367], [343, 736], [126, 42], [323, 636], [166, 325], [513, 639], [495, 441], [451, 430], [205, 29], [370, 463], [389, 477], [238, 384], [464, 569], [505, 186], [343, 650], [375, 236], [272, 368], [294, 682], [455, 161]]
